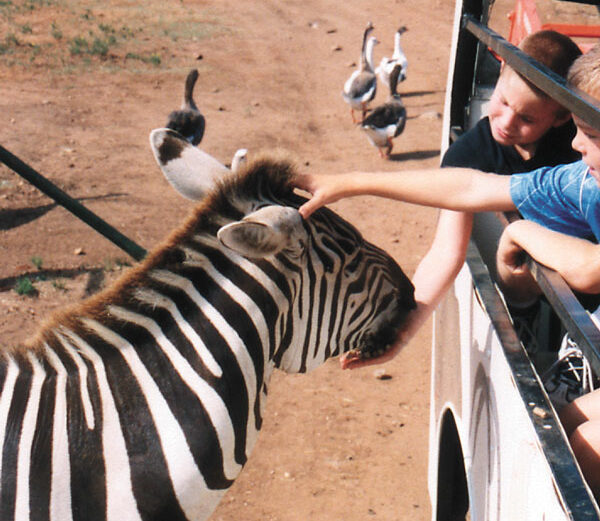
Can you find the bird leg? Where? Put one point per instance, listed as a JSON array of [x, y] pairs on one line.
[[388, 150], [364, 111]]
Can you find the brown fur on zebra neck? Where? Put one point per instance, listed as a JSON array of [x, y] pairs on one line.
[[144, 402]]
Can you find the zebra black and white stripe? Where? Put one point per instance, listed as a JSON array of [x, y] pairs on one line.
[[144, 402]]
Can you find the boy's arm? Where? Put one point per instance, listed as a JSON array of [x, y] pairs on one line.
[[576, 260], [451, 188]]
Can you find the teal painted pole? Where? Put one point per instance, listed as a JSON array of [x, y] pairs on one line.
[[72, 205]]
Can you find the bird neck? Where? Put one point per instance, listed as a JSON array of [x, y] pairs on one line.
[[368, 57], [397, 48]]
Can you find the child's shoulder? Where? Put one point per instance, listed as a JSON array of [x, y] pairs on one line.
[[476, 148], [575, 170], [566, 180], [562, 173]]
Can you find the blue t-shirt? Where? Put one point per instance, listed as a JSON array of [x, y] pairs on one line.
[[563, 198]]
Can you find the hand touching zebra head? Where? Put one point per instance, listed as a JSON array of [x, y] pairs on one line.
[[144, 402]]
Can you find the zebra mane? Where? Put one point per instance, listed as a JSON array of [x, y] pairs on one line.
[[265, 177], [268, 177]]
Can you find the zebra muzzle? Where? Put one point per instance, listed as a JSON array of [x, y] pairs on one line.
[[382, 335]]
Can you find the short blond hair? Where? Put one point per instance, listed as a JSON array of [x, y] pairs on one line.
[[584, 74]]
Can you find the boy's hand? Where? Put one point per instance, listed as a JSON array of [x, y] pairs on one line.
[[514, 278], [352, 361], [510, 257], [325, 189]]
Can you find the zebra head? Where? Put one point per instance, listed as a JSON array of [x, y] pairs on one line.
[[333, 291]]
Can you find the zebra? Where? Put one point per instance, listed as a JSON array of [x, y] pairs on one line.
[[144, 401]]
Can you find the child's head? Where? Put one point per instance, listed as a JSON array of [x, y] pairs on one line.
[[553, 50], [520, 113], [584, 74]]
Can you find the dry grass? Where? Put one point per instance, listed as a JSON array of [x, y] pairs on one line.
[[103, 33]]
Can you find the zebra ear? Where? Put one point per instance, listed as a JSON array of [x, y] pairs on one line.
[[192, 172], [266, 232]]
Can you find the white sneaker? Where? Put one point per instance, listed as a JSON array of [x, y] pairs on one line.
[[570, 376]]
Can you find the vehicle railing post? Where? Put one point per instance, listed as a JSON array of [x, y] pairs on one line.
[[72, 205]]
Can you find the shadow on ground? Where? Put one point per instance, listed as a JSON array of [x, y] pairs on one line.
[[15, 217], [416, 155], [94, 283]]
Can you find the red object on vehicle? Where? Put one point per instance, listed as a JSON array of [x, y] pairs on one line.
[[525, 20]]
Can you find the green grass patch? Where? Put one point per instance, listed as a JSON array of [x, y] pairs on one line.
[[37, 261], [10, 44], [114, 264], [96, 47], [154, 59], [55, 31], [59, 284], [24, 286]]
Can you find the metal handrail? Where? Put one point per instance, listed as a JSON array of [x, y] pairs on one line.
[[571, 487], [565, 304], [72, 205]]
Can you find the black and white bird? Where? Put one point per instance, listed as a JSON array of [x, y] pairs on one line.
[[188, 120], [360, 88], [387, 121], [386, 65]]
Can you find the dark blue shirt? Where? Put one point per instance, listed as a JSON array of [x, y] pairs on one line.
[[477, 148]]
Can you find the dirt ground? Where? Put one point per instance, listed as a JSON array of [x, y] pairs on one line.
[[81, 86]]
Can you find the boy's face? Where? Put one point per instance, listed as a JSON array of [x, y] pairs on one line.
[[587, 142], [518, 116]]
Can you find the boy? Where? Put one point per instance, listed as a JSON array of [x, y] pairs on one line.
[[524, 130], [474, 191], [576, 259]]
